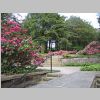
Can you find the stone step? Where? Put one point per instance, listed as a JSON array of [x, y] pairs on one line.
[[47, 78], [55, 61], [53, 75]]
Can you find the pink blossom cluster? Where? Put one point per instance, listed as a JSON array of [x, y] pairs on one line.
[[93, 50], [61, 52], [15, 41], [37, 59]]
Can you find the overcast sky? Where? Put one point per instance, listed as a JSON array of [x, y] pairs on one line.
[[90, 17]]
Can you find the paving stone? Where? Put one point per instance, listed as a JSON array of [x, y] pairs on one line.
[[75, 80]]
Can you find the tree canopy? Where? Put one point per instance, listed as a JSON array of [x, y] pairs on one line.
[[73, 33]]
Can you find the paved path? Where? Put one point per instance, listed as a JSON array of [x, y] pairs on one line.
[[75, 80], [63, 70]]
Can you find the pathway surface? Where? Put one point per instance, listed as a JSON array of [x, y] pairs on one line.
[[75, 80], [63, 70], [71, 77]]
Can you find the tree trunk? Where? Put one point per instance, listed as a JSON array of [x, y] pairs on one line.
[[45, 47]]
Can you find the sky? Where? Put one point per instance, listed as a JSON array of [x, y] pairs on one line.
[[90, 17]]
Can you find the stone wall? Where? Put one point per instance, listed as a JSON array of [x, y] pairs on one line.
[[81, 60], [96, 82], [15, 81]]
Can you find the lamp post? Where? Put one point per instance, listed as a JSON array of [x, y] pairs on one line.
[[51, 56], [51, 63]]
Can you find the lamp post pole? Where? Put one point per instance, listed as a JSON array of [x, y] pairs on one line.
[[51, 63], [51, 57]]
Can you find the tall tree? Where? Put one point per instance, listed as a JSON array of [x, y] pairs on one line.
[[45, 27], [81, 32], [73, 33]]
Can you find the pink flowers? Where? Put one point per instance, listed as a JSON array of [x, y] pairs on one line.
[[33, 54], [93, 51], [2, 50], [61, 52], [15, 29], [93, 48], [7, 33], [3, 39], [38, 61], [17, 46]]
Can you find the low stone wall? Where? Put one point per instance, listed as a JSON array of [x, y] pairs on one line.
[[15, 81], [81, 60], [96, 82]]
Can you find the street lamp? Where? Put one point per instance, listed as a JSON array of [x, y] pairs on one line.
[[51, 55]]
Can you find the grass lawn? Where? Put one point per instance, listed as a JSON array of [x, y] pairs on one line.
[[92, 67], [85, 66], [77, 64]]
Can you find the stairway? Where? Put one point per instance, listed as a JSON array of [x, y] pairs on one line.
[[50, 76], [56, 62]]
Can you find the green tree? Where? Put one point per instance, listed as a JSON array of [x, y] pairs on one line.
[[73, 33], [45, 27], [81, 32]]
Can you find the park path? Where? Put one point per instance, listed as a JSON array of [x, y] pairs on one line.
[[76, 80], [71, 77], [57, 65], [63, 70]]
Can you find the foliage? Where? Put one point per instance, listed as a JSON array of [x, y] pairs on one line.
[[45, 26], [17, 48], [91, 48], [16, 70], [81, 56], [92, 67], [77, 64], [71, 34], [81, 32]]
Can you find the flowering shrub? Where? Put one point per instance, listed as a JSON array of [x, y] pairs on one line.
[[61, 52], [17, 48], [91, 48]]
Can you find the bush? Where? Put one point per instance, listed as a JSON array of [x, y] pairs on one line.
[[78, 64], [17, 48], [92, 67], [16, 70], [80, 56]]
